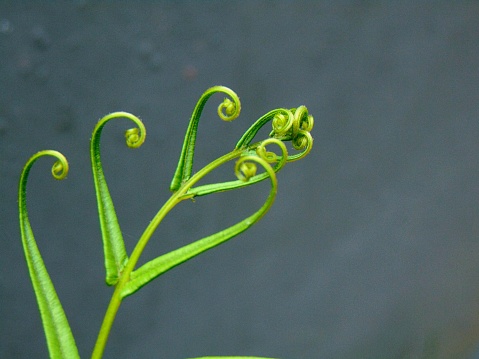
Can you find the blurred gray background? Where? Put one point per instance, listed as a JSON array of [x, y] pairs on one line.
[[371, 249]]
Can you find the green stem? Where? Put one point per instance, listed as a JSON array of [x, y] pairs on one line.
[[176, 198], [116, 298], [107, 324]]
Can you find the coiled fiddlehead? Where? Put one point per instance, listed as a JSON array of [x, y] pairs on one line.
[[297, 131], [292, 125], [113, 243], [60, 341], [228, 110]]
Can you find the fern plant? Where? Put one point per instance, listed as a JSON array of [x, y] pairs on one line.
[[292, 125]]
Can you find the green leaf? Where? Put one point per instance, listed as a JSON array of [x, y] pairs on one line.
[[60, 341], [231, 110], [113, 243]]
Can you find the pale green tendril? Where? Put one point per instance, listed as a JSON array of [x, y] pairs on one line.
[[292, 125]]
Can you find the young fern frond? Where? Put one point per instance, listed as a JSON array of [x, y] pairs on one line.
[[288, 125], [292, 125], [60, 341], [228, 110], [113, 243]]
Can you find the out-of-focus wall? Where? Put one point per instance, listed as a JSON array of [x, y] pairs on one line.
[[372, 247]]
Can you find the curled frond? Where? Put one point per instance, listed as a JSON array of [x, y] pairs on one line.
[[270, 156], [282, 123], [245, 170], [292, 125], [113, 244], [59, 171], [60, 168], [299, 135], [283, 116], [297, 131], [228, 110], [60, 341], [288, 129], [134, 138]]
